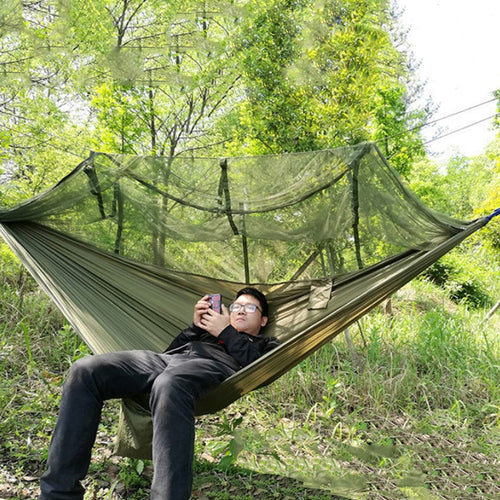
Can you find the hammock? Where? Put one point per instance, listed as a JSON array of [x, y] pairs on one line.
[[125, 245]]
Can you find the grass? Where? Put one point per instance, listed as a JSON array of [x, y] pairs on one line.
[[410, 410]]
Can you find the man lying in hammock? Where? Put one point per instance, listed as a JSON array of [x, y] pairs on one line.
[[200, 357]]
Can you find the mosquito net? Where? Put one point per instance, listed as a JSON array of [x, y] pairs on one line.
[[125, 245], [262, 219]]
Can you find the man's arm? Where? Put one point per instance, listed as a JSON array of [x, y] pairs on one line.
[[244, 348], [187, 335]]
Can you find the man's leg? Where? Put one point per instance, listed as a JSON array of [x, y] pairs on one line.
[[173, 396], [91, 381]]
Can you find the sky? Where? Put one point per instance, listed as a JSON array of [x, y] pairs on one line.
[[457, 43]]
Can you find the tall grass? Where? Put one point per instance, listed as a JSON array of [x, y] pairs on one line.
[[418, 390], [431, 354], [36, 348]]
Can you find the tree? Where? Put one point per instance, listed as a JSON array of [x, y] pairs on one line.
[[36, 100], [181, 75], [273, 111], [170, 78], [323, 74]]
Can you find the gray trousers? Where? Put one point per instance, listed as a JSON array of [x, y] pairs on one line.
[[175, 381]]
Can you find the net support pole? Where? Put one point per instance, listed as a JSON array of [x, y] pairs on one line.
[[355, 211], [244, 243], [94, 185], [224, 189]]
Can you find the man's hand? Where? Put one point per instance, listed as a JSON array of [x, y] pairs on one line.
[[200, 309], [208, 319]]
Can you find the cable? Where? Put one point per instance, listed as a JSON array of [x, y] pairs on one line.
[[455, 113], [462, 128], [432, 122], [451, 132]]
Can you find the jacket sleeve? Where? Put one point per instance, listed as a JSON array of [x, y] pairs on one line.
[[187, 335], [245, 348]]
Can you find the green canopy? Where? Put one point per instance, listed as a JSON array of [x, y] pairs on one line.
[[125, 245]]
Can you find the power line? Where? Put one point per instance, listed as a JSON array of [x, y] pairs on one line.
[[454, 114], [432, 122], [463, 128]]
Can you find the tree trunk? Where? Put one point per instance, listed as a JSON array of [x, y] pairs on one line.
[[492, 311]]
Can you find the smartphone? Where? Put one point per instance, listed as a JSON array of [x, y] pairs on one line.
[[215, 302]]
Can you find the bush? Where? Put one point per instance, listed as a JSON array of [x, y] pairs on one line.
[[462, 280]]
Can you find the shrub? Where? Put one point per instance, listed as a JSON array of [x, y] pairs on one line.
[[462, 283]]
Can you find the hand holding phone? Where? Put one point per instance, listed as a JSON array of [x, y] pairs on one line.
[[213, 323], [215, 302]]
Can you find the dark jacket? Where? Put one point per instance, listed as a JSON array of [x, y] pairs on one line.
[[233, 348]]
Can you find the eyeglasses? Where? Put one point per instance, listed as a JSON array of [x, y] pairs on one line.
[[249, 308]]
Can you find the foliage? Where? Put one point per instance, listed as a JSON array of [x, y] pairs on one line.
[[426, 182], [491, 198], [465, 188], [462, 284], [145, 81], [36, 98], [246, 77], [132, 474], [175, 77], [319, 75], [415, 350]]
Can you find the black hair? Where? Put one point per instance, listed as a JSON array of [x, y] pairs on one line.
[[258, 295]]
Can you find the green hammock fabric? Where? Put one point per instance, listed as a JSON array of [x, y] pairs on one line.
[[125, 245]]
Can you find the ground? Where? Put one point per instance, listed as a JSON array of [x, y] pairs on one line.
[[381, 459]]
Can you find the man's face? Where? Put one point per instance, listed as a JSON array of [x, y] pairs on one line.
[[245, 321]]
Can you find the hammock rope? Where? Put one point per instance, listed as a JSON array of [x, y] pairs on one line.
[[493, 214]]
